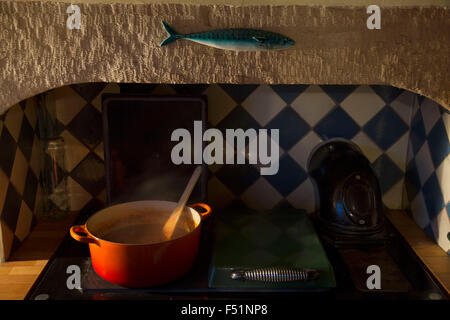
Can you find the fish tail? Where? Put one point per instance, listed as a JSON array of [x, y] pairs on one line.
[[173, 35]]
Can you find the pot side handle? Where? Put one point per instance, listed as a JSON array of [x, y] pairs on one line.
[[80, 234], [203, 206]]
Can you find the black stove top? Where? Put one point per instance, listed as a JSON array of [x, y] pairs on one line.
[[404, 277]]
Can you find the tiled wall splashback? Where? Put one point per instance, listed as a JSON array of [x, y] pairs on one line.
[[428, 170], [19, 172], [377, 118]]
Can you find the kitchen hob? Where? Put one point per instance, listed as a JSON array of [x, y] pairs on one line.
[[403, 276]]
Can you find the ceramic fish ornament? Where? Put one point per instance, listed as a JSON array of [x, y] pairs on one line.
[[233, 39]]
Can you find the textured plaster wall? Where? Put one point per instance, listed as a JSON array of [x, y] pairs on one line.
[[119, 42]]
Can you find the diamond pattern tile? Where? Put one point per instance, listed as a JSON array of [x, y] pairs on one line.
[[439, 143], [292, 128], [398, 151], [289, 176], [24, 221], [26, 138], [31, 111], [252, 196], [362, 104], [239, 92], [431, 113], [385, 128], [303, 197], [237, 178], [78, 196], [11, 208], [8, 240], [13, 121], [90, 135], [390, 198], [110, 88], [433, 195], [219, 194], [68, 103], [35, 156], [189, 88], [387, 93], [4, 183], [446, 120], [313, 104], [288, 92], [100, 151], [402, 106], [417, 132], [271, 145], [367, 146], [443, 174], [300, 152], [90, 174], [219, 104], [338, 92], [263, 104], [412, 180], [31, 186], [75, 150], [388, 173], [337, 124], [424, 162], [19, 172], [88, 91], [238, 118], [8, 151]]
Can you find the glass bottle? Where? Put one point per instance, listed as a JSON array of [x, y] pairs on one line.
[[53, 179]]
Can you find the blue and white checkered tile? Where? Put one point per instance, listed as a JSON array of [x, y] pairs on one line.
[[428, 170], [375, 117], [19, 172]]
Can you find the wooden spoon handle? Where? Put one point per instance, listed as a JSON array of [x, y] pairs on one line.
[[188, 190], [171, 223]]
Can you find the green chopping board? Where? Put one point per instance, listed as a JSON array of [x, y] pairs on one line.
[[277, 238]]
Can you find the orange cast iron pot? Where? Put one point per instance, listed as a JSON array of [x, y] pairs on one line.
[[143, 264]]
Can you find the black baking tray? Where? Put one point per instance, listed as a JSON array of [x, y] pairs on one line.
[[137, 131]]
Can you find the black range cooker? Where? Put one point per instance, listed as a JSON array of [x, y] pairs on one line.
[[404, 276]]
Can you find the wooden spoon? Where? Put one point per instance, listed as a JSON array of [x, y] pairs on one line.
[[171, 223]]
